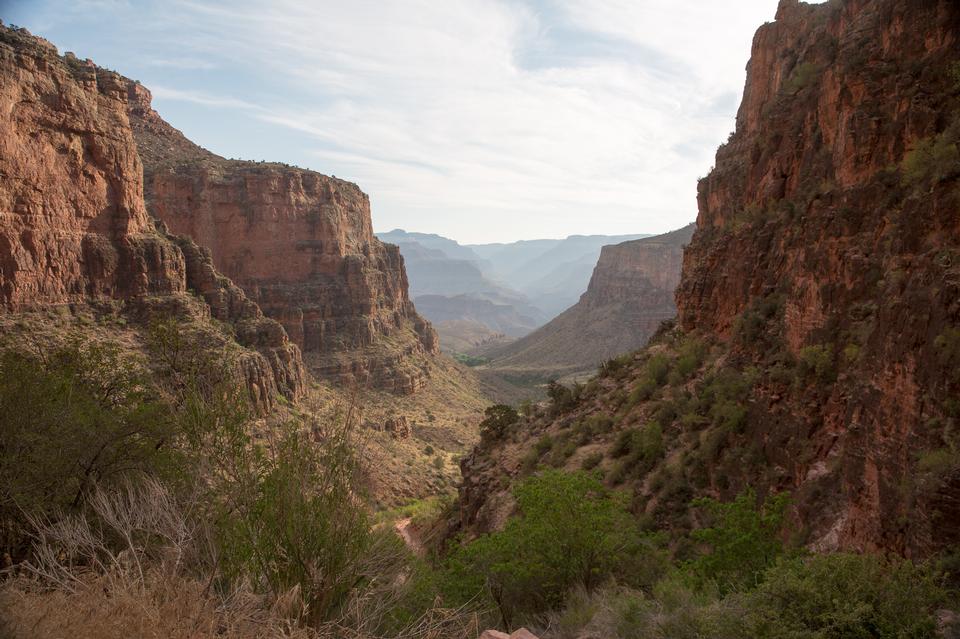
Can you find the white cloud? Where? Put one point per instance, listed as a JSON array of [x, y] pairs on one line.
[[478, 119]]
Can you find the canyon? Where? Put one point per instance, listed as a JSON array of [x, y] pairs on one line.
[[74, 230], [300, 245], [629, 295], [815, 350]]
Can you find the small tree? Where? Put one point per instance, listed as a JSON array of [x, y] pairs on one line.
[[498, 419]]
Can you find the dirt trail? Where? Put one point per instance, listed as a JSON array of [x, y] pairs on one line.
[[408, 533]]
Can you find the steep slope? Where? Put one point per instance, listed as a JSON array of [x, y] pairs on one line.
[[819, 337], [74, 232], [629, 295], [300, 244]]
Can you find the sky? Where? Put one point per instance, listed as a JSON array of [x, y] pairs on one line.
[[479, 120]]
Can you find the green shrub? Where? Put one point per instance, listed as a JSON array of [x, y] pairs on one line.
[[933, 159], [292, 519], [640, 448], [742, 540], [802, 77], [844, 596], [73, 416], [438, 462], [591, 461], [571, 531], [817, 362]]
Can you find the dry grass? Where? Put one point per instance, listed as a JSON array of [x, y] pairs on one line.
[[141, 566]]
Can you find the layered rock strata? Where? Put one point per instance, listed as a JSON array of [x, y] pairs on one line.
[[630, 293], [74, 229], [300, 244]]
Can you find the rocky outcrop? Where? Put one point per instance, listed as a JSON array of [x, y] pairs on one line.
[[398, 427], [630, 294], [818, 345], [300, 245], [816, 205], [73, 226], [74, 229]]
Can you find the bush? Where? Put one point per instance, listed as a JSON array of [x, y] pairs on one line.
[[591, 461], [933, 159], [844, 596], [571, 531], [293, 519], [742, 540], [73, 416], [817, 361], [802, 77], [497, 421]]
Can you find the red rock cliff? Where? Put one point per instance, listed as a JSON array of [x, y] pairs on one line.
[[74, 229], [818, 351], [300, 244], [73, 225], [816, 205]]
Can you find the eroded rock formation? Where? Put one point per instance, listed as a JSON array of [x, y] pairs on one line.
[[819, 306], [816, 205], [630, 294], [74, 229], [300, 244]]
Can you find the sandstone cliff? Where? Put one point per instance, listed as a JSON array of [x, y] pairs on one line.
[[629, 295], [819, 323], [74, 230], [300, 244]]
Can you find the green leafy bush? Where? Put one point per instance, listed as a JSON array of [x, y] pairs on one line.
[[844, 595], [741, 540], [933, 159], [803, 76], [817, 361], [571, 531], [73, 416]]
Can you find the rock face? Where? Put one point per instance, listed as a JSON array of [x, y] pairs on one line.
[[630, 293], [817, 205], [300, 244], [74, 229], [73, 225], [818, 347]]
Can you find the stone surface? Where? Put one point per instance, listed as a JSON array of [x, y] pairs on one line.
[[73, 225], [398, 427], [74, 229], [300, 245]]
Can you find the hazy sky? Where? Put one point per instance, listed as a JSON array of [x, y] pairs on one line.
[[481, 120]]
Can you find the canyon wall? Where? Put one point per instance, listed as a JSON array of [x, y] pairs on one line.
[[630, 293], [818, 341], [74, 230], [824, 203], [300, 244]]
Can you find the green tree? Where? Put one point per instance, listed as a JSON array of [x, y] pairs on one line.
[[497, 420]]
